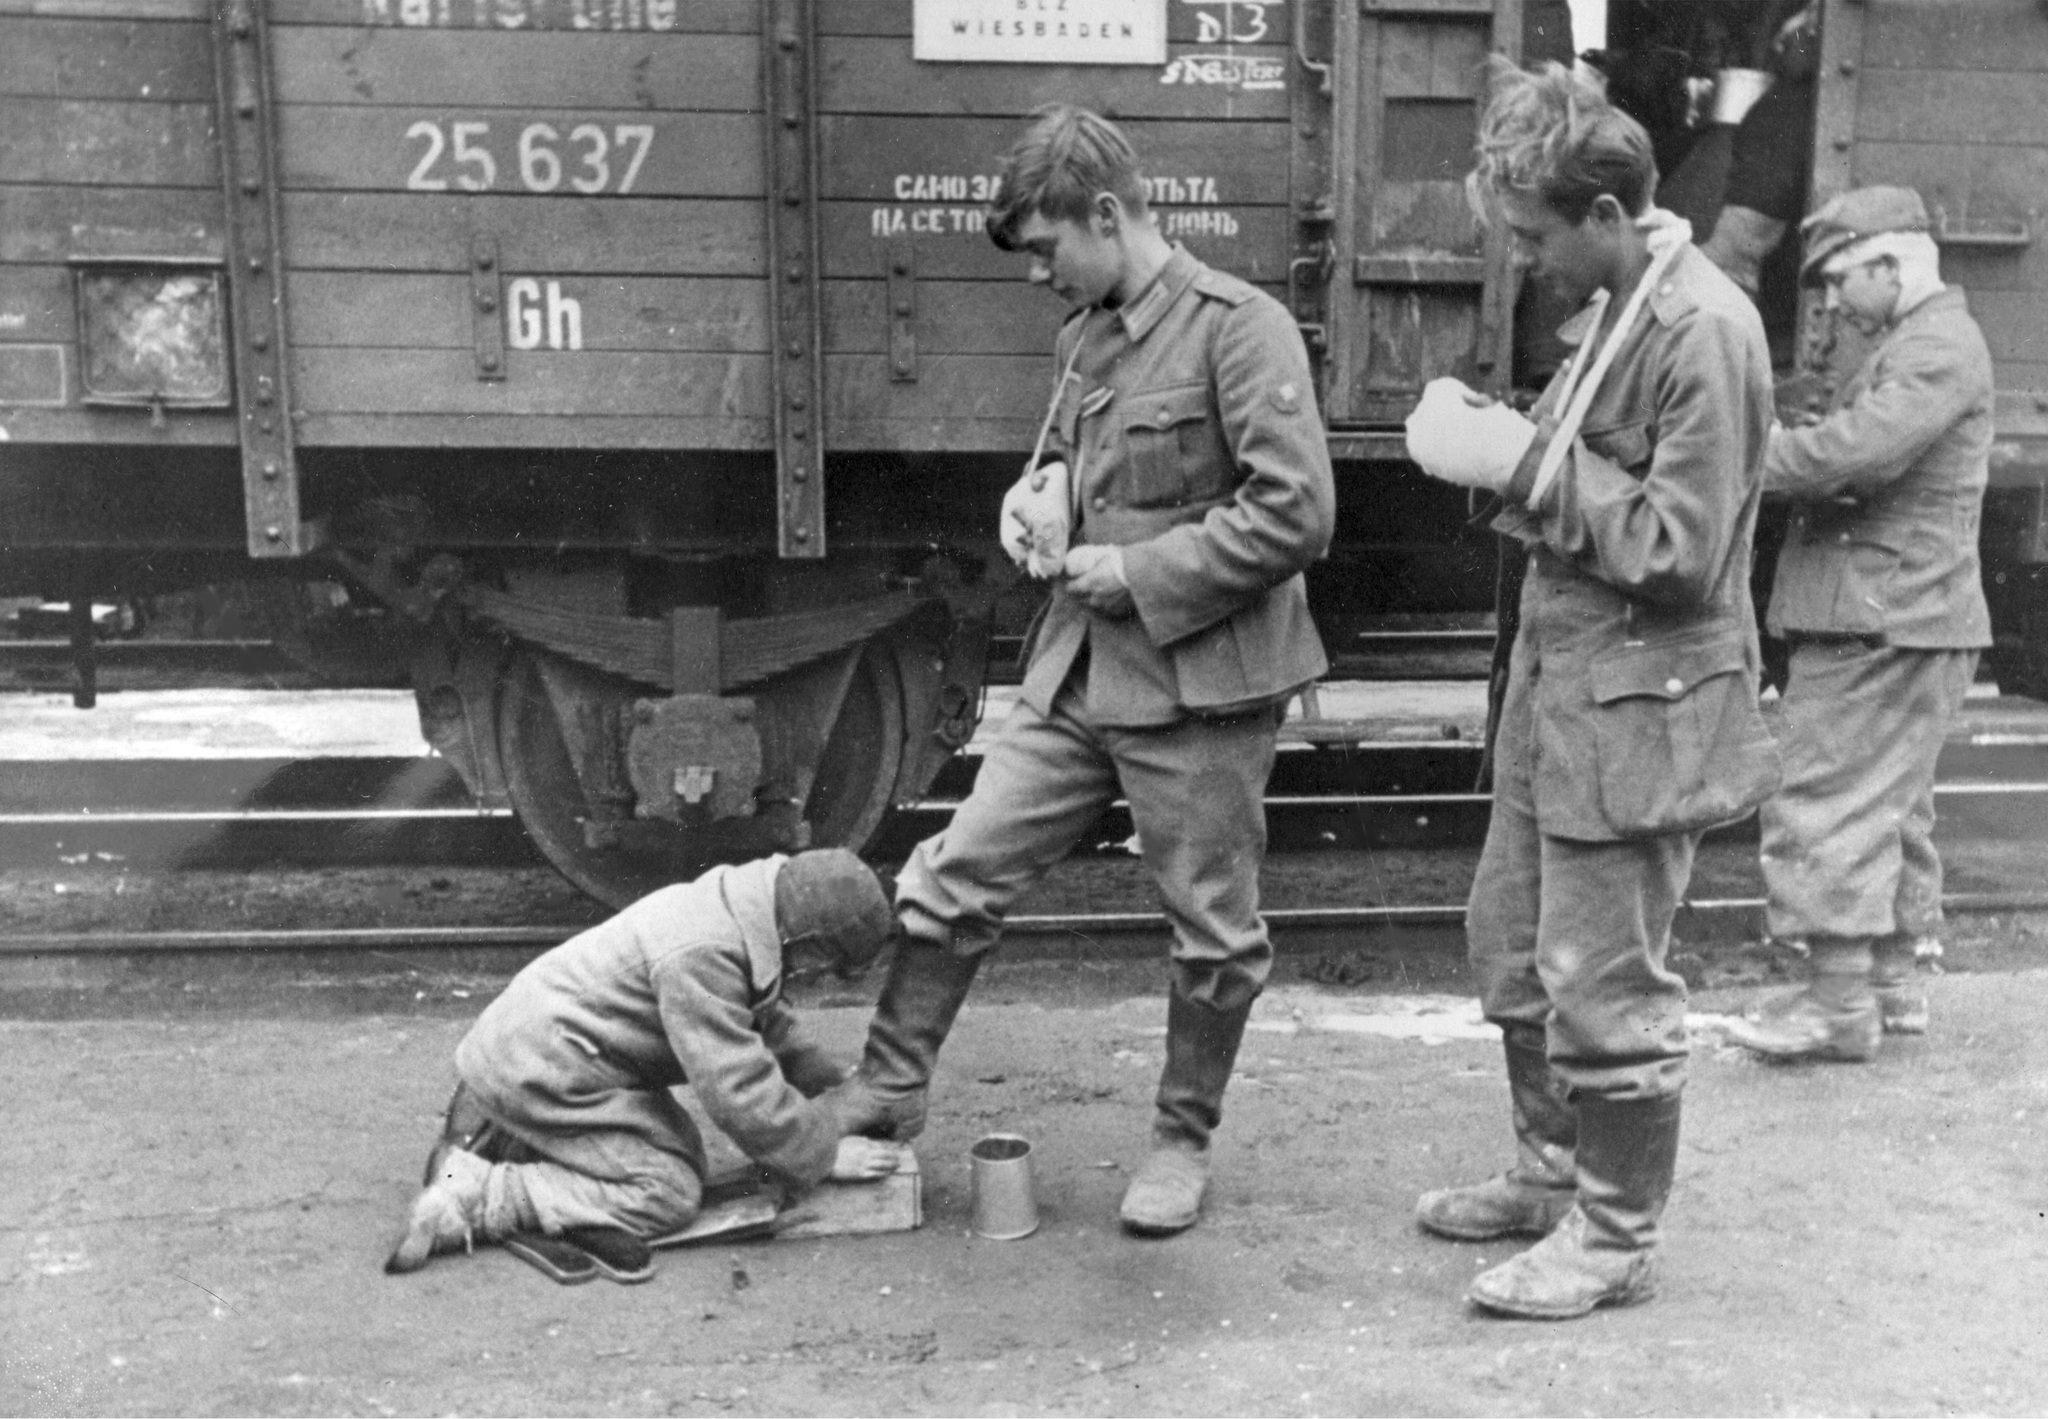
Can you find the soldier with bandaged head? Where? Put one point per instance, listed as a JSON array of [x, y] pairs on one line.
[[1630, 722], [1880, 593]]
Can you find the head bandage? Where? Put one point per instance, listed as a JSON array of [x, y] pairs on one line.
[[1918, 258]]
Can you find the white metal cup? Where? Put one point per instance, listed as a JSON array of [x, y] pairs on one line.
[[1004, 1208], [1736, 92]]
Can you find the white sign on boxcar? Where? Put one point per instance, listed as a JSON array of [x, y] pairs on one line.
[[1042, 31]]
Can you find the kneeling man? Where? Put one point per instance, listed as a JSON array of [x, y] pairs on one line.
[[563, 1137]]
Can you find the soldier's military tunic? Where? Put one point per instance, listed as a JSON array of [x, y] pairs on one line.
[[577, 1057], [1631, 722], [1880, 592], [1190, 427]]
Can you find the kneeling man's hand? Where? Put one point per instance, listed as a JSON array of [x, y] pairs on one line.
[[864, 1159]]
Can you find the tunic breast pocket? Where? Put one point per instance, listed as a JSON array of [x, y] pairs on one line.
[[1678, 737], [1167, 433], [1628, 446]]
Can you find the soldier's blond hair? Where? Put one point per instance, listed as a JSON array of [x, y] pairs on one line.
[[1057, 169], [1549, 134]]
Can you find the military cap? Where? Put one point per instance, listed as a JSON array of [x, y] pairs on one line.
[[1853, 215]]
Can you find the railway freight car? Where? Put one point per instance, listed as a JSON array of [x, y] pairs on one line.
[[644, 364]]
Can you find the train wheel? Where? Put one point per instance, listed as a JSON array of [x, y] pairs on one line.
[[857, 772], [849, 793]]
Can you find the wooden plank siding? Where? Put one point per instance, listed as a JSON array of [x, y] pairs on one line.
[[1952, 100], [109, 105]]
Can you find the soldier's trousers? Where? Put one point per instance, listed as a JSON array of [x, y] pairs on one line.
[[647, 1177], [1196, 791], [1569, 938], [1847, 839]]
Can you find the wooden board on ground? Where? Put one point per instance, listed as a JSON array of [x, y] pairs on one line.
[[744, 1206]]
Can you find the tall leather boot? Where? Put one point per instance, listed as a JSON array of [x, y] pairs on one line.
[[1901, 1003], [1604, 1252], [1530, 1198], [1165, 1195], [1835, 1017], [886, 1096]]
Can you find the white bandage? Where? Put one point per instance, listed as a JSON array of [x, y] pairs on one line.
[[1037, 522], [1460, 436]]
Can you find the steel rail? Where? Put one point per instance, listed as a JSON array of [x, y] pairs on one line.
[[1080, 924]]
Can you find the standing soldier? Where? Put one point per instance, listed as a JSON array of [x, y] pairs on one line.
[[1879, 591], [1630, 723], [1184, 421]]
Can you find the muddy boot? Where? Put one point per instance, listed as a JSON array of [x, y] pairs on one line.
[[1835, 1017], [1165, 1195], [1901, 1003], [886, 1096], [1530, 1198], [1604, 1252], [471, 1200]]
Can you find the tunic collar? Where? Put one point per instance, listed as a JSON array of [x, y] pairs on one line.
[[749, 892], [1152, 303]]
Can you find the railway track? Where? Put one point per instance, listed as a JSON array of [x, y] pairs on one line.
[[1394, 784]]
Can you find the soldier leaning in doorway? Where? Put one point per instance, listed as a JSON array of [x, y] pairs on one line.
[[1185, 419], [563, 1141], [1630, 723], [1879, 590]]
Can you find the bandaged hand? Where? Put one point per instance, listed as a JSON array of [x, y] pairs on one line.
[[1096, 575], [865, 1159], [1464, 437], [1035, 520]]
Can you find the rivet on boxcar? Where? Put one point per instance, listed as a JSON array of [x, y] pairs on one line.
[[486, 302], [251, 186], [799, 475], [796, 401], [1848, 68], [489, 362], [270, 469], [796, 272], [803, 534], [793, 197], [484, 261], [255, 263], [903, 307], [796, 349], [260, 340], [274, 533]]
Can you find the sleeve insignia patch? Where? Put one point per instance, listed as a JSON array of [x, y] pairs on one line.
[[1286, 398]]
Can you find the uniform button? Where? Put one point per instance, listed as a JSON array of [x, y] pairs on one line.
[[1165, 417], [1665, 289], [1673, 685], [1100, 504], [1845, 536]]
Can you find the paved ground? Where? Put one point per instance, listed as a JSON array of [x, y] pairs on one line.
[[202, 1183]]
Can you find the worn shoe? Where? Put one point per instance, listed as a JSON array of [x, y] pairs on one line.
[[557, 1258], [618, 1254], [1806, 1028], [1165, 1196], [1562, 1277], [446, 1215], [1503, 1206]]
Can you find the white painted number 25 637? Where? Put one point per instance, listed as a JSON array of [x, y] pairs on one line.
[[546, 160]]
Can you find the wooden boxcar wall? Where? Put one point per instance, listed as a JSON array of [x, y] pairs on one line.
[[1951, 97], [613, 152]]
